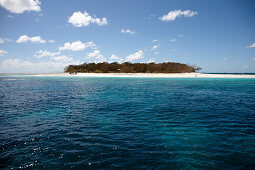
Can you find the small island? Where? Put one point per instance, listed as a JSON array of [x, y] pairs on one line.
[[127, 67]]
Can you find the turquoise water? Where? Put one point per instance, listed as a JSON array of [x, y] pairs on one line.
[[148, 123]]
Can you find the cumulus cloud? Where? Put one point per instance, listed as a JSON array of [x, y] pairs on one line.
[[2, 52], [25, 39], [172, 15], [96, 55], [251, 46], [115, 58], [151, 61], [100, 58], [79, 19], [173, 40], [127, 31], [138, 55], [155, 47], [1, 41], [156, 53], [53, 56], [77, 46], [21, 66], [154, 40], [93, 54], [45, 53], [20, 6]]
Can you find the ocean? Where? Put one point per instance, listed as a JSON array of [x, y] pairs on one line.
[[131, 123]]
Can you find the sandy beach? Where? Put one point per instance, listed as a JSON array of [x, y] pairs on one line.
[[149, 75]]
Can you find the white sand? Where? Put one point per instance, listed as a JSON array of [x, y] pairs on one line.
[[152, 75]]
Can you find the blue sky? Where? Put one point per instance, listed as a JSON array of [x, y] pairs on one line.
[[47, 35]]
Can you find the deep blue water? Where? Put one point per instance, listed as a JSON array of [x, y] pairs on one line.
[[148, 123]]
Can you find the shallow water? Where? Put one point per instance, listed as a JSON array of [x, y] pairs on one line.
[[53, 122]]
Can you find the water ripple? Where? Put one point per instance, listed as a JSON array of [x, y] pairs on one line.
[[86, 123]]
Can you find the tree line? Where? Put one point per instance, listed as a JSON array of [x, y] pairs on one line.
[[127, 67]]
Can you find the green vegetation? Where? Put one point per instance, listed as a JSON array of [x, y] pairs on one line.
[[131, 68]]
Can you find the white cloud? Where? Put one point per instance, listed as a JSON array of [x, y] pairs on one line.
[[100, 58], [253, 59], [156, 53], [154, 40], [79, 19], [138, 55], [77, 46], [90, 44], [21, 66], [20, 6], [51, 41], [189, 13], [151, 61], [96, 54], [172, 15], [173, 40], [25, 39], [251, 46], [155, 47], [115, 58], [45, 53], [2, 52], [1, 41], [128, 31], [93, 54], [224, 58], [53, 56], [62, 58]]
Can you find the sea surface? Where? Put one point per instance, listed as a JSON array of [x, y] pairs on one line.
[[131, 123]]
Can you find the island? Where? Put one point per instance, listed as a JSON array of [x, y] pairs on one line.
[[127, 67], [142, 70]]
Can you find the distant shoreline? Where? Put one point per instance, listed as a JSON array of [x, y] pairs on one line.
[[149, 75]]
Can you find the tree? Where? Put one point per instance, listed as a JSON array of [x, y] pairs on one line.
[[128, 67]]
